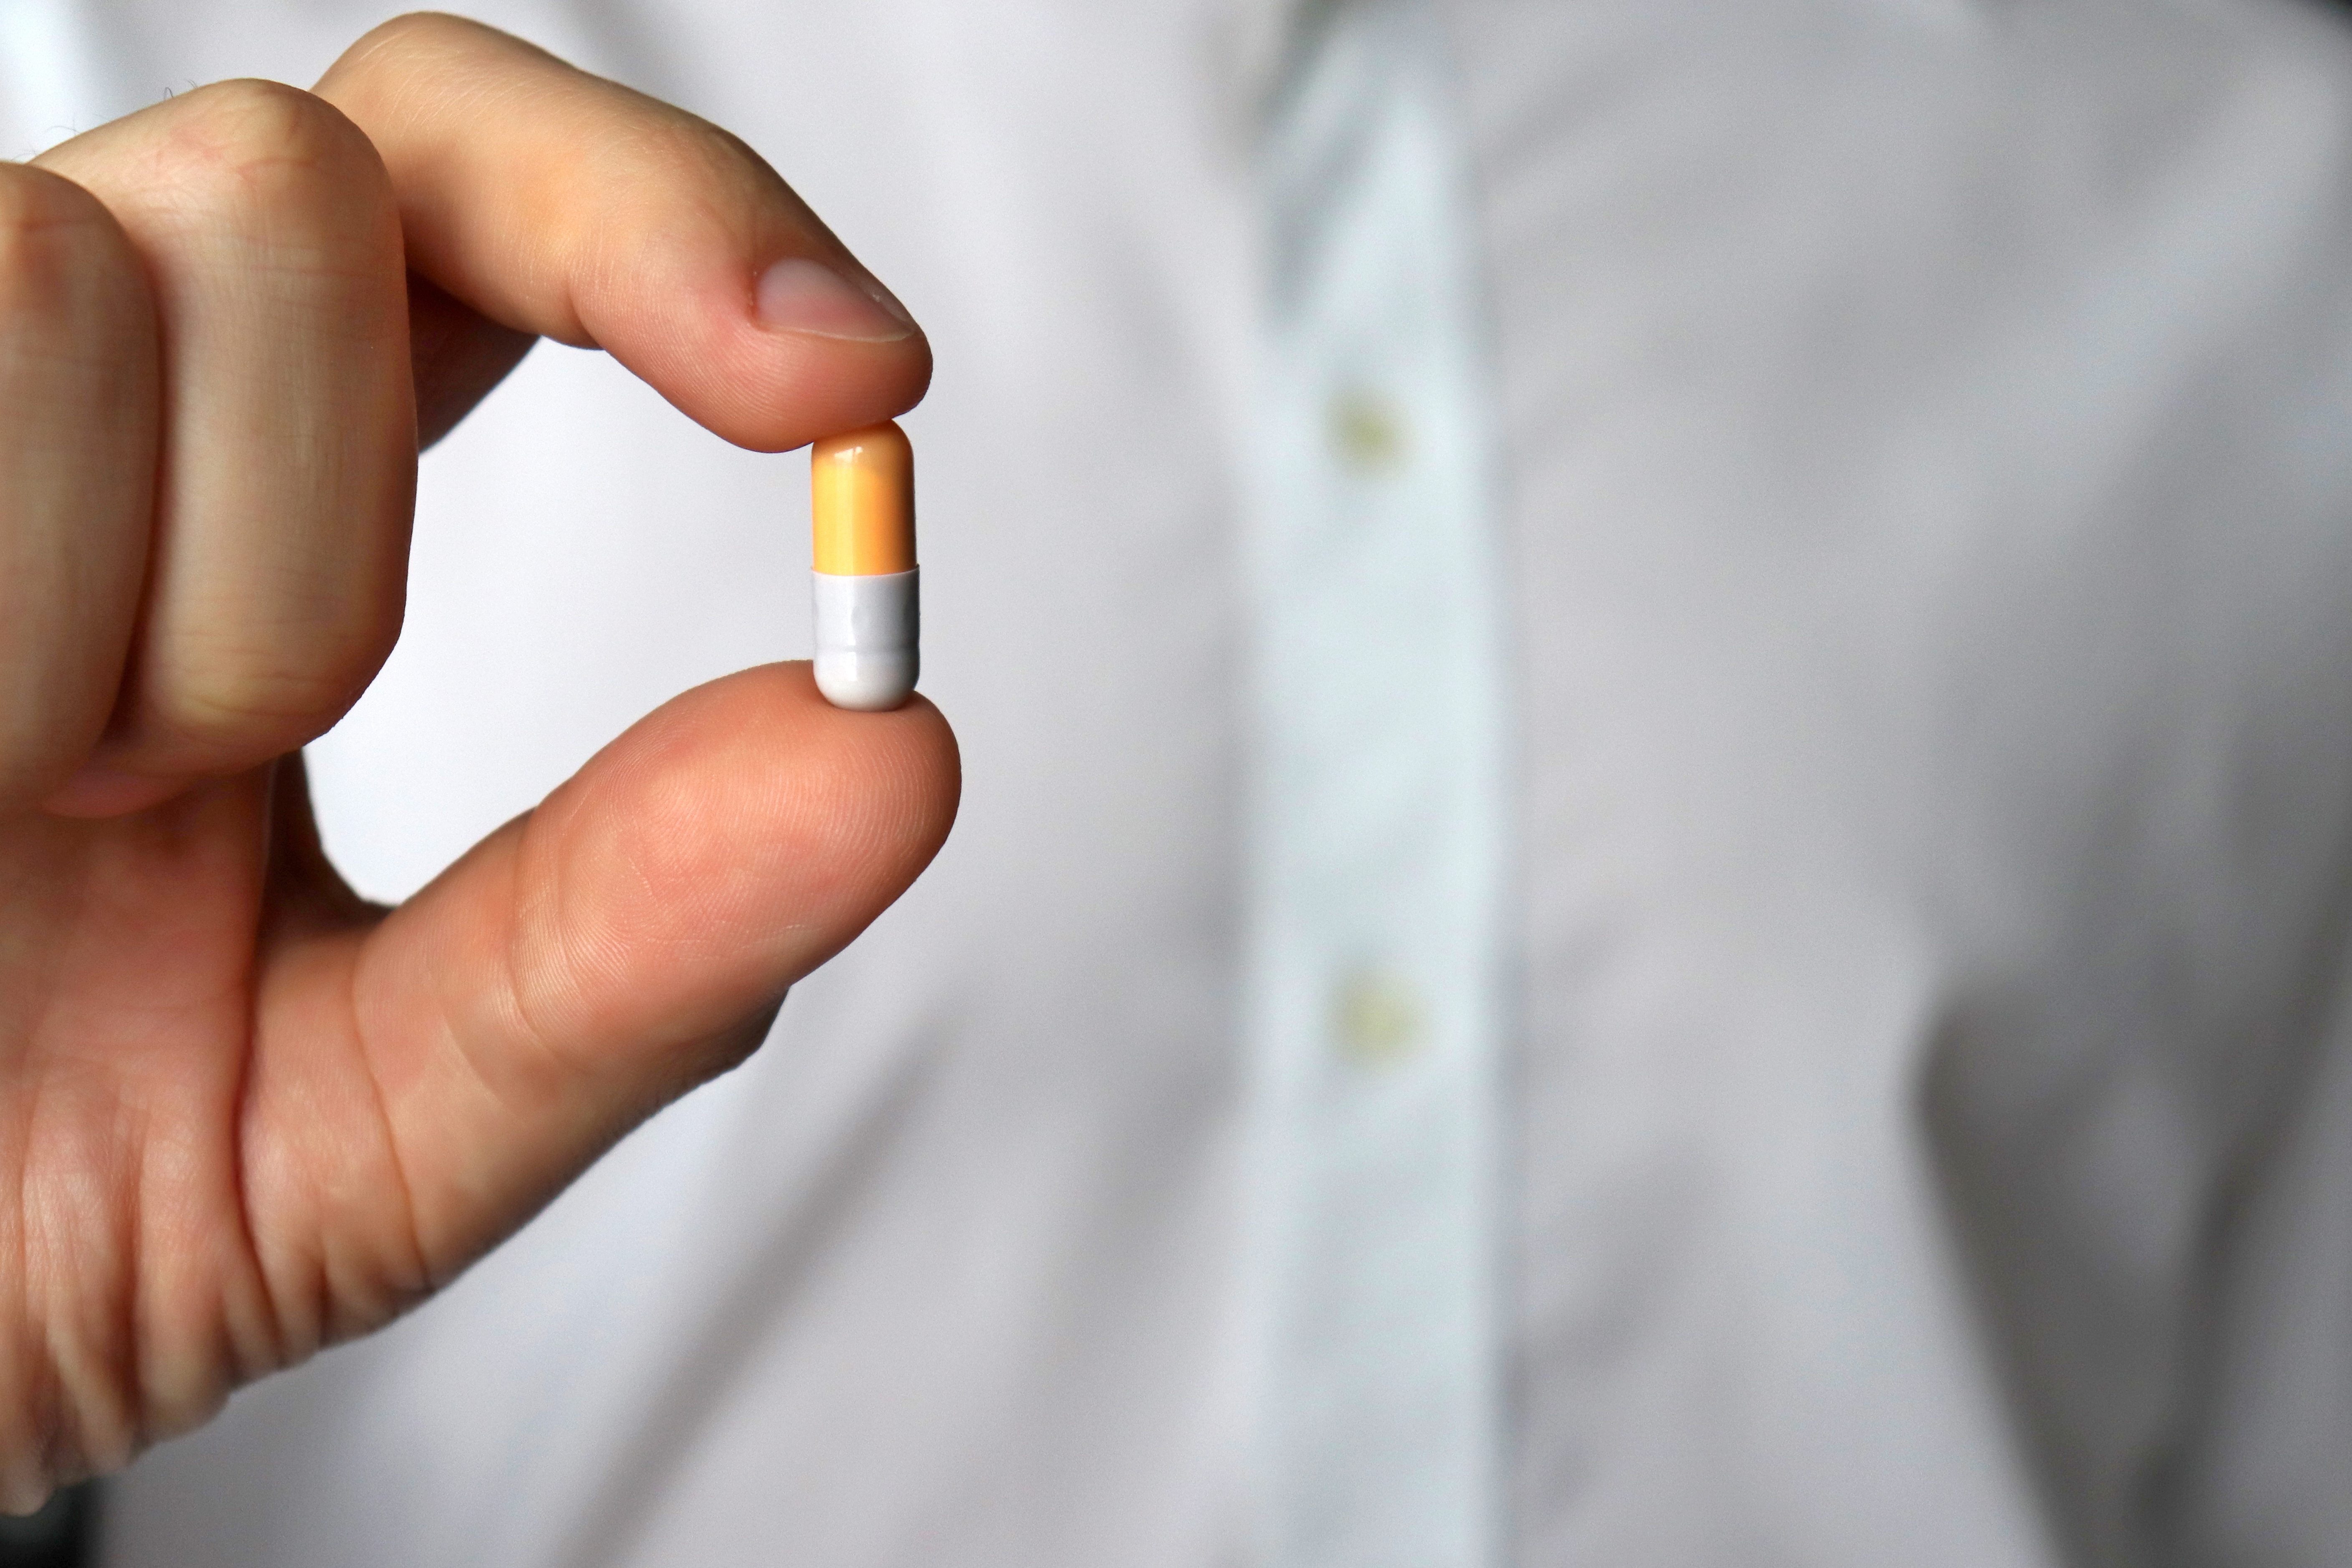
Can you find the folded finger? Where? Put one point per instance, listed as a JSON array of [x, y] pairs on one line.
[[79, 380], [288, 467]]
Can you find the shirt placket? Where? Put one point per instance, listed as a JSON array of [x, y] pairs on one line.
[[1378, 817]]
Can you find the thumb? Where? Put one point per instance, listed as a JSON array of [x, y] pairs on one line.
[[594, 959]]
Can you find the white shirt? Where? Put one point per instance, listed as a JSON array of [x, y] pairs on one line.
[[1924, 483], [1376, 860]]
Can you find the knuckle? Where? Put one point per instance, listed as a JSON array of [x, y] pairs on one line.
[[390, 56], [54, 236], [247, 121], [33, 201], [265, 146], [428, 32]]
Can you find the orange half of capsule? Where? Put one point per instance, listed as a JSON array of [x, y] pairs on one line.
[[862, 502]]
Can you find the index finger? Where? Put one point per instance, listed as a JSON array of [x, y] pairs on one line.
[[562, 205]]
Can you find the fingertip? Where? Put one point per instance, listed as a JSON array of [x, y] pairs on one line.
[[783, 363], [745, 832], [879, 789]]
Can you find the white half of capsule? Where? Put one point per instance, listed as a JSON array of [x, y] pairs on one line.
[[868, 630]]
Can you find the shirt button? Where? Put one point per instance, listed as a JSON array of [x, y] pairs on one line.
[[1376, 1018], [1368, 433]]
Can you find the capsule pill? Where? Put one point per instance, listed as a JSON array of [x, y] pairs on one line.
[[862, 510]]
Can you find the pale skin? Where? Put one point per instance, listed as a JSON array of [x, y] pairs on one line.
[[244, 1114]]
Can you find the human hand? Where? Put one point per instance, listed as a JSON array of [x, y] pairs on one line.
[[242, 1113]]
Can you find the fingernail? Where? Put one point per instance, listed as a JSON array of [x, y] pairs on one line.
[[797, 295]]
